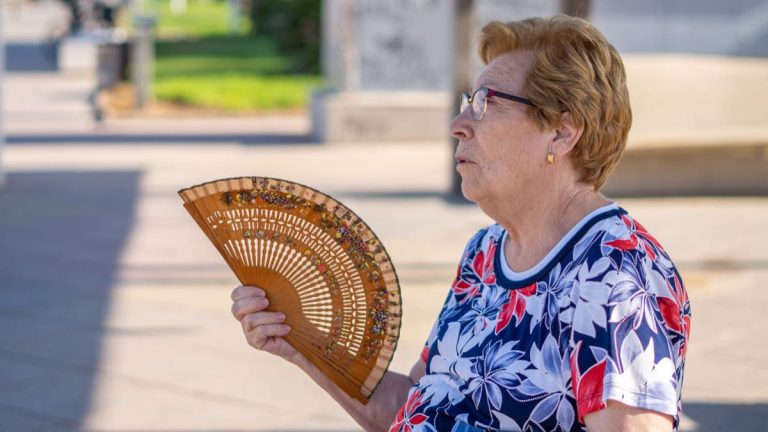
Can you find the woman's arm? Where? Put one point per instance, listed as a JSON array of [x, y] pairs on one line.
[[381, 409], [265, 330], [618, 417]]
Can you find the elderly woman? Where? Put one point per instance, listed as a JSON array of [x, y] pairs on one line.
[[565, 313]]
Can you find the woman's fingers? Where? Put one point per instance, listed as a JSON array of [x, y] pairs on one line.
[[244, 291], [263, 330], [251, 321], [248, 305], [258, 336]]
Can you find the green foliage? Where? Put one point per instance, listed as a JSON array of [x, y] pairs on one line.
[[295, 24], [219, 54], [198, 63], [201, 18], [238, 92], [229, 73]]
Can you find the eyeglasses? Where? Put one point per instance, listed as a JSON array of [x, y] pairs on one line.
[[479, 101]]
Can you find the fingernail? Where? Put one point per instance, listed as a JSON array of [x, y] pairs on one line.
[[282, 316], [286, 328]]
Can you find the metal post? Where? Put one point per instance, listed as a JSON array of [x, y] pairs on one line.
[[462, 70], [577, 8], [234, 10], [349, 47], [2, 106], [143, 59], [178, 7]]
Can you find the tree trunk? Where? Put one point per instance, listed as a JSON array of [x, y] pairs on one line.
[[577, 8], [462, 71], [2, 76]]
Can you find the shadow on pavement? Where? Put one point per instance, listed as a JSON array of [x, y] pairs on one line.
[[31, 57], [711, 417], [152, 139], [61, 235]]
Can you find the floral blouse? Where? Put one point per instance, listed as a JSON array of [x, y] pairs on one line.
[[603, 316]]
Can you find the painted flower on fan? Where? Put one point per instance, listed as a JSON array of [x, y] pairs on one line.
[[638, 235], [245, 196], [408, 419], [470, 278], [227, 198]]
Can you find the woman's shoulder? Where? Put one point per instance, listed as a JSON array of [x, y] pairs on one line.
[[482, 245], [620, 249], [623, 233], [484, 237]]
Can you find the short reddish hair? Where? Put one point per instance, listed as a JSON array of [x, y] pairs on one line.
[[575, 70]]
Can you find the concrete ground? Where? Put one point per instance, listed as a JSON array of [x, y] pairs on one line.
[[114, 308]]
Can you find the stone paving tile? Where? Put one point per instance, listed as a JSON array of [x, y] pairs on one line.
[[17, 371], [143, 339], [65, 395], [14, 419], [163, 408], [720, 377]]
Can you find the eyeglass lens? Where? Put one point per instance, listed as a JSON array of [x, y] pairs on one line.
[[476, 101]]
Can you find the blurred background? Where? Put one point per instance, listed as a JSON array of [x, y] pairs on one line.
[[114, 308]]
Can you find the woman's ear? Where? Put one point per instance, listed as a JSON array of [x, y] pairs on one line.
[[566, 136]]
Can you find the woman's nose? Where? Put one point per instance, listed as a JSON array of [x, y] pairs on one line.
[[460, 126]]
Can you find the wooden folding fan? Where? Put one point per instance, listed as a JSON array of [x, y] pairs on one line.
[[319, 264]]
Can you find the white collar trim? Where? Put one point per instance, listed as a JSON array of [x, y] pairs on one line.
[[513, 275]]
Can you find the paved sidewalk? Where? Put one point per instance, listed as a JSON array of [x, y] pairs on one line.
[[115, 309]]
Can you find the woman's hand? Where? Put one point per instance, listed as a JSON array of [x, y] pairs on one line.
[[263, 330]]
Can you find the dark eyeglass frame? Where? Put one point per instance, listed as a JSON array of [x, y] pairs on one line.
[[467, 100]]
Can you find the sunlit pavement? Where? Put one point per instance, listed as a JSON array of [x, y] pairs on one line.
[[115, 308]]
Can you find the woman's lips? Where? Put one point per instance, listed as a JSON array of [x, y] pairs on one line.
[[461, 160]]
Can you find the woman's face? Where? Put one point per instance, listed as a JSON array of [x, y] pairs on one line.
[[503, 155]]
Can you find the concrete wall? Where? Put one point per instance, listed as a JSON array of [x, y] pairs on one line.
[[689, 81], [732, 27]]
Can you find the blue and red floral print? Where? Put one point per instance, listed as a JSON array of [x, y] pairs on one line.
[[603, 316]]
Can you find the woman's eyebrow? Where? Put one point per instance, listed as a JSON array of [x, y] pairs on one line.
[[491, 84]]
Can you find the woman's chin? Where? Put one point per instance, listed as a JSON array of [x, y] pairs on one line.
[[469, 190]]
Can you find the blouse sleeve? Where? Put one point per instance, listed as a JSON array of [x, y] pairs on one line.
[[627, 342]]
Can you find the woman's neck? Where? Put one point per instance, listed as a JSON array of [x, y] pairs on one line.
[[536, 226]]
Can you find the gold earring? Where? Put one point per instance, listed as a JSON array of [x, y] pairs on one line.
[[550, 155]]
